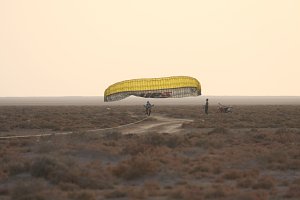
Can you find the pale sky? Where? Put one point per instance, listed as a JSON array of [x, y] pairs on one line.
[[78, 48]]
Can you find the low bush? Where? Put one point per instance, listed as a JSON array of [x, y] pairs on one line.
[[219, 130], [82, 195], [118, 193], [245, 183], [134, 168], [232, 174], [293, 192], [165, 139], [50, 168], [265, 182], [18, 167], [32, 190]]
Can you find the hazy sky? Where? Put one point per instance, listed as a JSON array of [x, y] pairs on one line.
[[69, 47]]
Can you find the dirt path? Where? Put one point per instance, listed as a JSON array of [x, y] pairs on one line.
[[157, 123]]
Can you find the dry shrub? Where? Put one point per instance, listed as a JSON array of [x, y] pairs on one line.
[[32, 190], [202, 167], [135, 148], [112, 135], [50, 169], [266, 182], [164, 139], [154, 139], [245, 179], [278, 159], [293, 192], [284, 135], [137, 193], [68, 186], [4, 128], [219, 130], [253, 130], [216, 169], [18, 166], [21, 143], [296, 181], [260, 137], [152, 188], [45, 147], [134, 168], [251, 173], [233, 174], [118, 193], [87, 181], [245, 183], [59, 171], [181, 182], [187, 125], [80, 195], [193, 192], [174, 141], [239, 174], [187, 192], [249, 195], [176, 193], [4, 190], [213, 143], [65, 118], [218, 191]]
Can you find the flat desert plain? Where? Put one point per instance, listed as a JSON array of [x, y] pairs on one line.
[[100, 152]]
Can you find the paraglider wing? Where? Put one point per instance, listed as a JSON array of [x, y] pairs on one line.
[[168, 87]]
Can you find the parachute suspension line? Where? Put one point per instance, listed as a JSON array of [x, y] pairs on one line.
[[69, 132]]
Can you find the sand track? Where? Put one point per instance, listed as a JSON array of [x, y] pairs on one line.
[[157, 123]]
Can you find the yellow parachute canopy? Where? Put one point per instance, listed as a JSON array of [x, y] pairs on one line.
[[167, 87]]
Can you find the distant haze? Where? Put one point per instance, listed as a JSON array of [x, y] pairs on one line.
[[79, 48], [98, 101]]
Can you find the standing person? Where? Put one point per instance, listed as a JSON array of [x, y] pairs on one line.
[[206, 107], [148, 107]]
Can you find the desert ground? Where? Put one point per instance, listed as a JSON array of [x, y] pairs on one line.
[[116, 152]]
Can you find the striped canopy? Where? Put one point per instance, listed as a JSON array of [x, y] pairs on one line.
[[167, 87]]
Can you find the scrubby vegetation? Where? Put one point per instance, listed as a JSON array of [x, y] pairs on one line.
[[65, 118], [227, 159]]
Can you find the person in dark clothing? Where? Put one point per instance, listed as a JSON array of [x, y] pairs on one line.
[[206, 107], [148, 107]]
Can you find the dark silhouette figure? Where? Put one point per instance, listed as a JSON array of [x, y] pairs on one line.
[[206, 107], [148, 107]]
